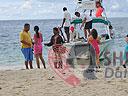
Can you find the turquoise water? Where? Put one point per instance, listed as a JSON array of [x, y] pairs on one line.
[[10, 53]]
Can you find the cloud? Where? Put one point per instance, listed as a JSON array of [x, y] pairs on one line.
[[55, 1], [52, 9], [27, 4], [115, 6]]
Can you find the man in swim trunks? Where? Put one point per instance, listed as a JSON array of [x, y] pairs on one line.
[[26, 46], [87, 23]]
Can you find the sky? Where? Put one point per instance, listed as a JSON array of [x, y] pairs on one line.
[[52, 9]]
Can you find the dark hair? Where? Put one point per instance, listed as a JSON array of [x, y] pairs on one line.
[[64, 9], [77, 13], [36, 29], [110, 27], [127, 36], [94, 33], [99, 4], [26, 25], [55, 28]]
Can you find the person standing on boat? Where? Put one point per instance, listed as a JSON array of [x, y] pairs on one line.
[[99, 9], [77, 25], [66, 23], [87, 23]]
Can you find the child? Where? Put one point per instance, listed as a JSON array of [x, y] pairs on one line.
[[72, 33], [125, 59], [26, 45], [38, 47], [94, 41], [56, 42]]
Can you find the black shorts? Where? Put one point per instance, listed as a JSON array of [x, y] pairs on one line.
[[66, 30], [88, 25]]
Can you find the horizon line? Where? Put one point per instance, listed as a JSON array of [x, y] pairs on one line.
[[45, 19]]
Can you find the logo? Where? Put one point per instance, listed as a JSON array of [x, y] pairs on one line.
[[57, 58], [73, 63], [77, 62]]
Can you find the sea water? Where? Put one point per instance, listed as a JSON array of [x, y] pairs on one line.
[[10, 51]]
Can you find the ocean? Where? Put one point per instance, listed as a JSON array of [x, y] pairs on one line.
[[10, 51]]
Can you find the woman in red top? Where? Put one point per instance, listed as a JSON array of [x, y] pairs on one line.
[[99, 10], [94, 40]]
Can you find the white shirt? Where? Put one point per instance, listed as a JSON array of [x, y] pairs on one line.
[[77, 26], [67, 16], [88, 18]]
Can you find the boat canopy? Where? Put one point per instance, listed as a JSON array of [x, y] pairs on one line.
[[95, 20], [100, 20]]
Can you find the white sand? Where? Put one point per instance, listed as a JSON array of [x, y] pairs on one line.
[[35, 83]]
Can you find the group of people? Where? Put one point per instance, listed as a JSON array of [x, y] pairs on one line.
[[86, 21], [27, 45], [90, 35]]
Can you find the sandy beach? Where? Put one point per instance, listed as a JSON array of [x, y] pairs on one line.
[[72, 39], [36, 82]]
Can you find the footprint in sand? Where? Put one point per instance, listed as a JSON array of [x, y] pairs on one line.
[[17, 87], [126, 91], [83, 84], [51, 78]]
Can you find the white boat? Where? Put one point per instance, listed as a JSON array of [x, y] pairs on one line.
[[81, 56], [80, 50]]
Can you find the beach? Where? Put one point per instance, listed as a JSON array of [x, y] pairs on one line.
[[36, 82], [63, 48]]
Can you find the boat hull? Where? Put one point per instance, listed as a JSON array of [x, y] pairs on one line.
[[82, 54]]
